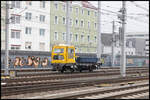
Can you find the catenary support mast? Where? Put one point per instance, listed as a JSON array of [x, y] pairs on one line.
[[99, 31], [6, 39], [113, 42], [123, 57]]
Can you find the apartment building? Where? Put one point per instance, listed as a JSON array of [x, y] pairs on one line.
[[83, 25], [29, 25], [3, 14]]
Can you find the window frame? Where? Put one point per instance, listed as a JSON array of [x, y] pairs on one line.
[[43, 32]]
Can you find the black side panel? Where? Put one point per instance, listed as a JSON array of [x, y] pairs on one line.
[[86, 60]]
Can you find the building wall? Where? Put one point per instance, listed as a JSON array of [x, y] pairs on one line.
[[147, 47], [140, 47], [117, 50], [81, 45], [3, 14], [35, 24]]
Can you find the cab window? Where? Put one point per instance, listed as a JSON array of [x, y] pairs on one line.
[[58, 57], [58, 50], [70, 53]]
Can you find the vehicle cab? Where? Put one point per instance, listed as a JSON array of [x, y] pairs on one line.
[[62, 55]]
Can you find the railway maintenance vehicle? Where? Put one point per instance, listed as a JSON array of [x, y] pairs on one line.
[[63, 58]]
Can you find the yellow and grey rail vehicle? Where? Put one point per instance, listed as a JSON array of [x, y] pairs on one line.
[[63, 58]]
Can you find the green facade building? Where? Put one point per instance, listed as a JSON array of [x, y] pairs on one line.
[[83, 25]]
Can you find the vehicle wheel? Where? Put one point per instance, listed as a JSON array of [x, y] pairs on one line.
[[80, 70], [62, 71], [90, 69], [72, 70]]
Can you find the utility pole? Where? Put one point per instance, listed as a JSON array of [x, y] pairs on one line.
[[68, 23], [6, 39], [123, 57], [99, 33], [113, 42]]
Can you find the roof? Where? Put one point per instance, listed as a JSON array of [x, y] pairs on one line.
[[85, 4]]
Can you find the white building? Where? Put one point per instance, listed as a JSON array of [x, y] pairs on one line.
[[29, 27], [147, 47], [107, 45], [141, 41]]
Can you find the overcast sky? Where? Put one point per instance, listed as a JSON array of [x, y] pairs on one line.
[[141, 24]]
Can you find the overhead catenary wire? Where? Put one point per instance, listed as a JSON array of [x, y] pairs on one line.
[[139, 6], [131, 17]]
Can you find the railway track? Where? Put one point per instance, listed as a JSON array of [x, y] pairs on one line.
[[15, 90], [23, 80], [39, 72], [116, 92], [121, 92]]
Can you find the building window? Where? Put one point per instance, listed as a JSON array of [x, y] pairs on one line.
[[42, 4], [71, 9], [88, 38], [42, 32], [82, 11], [56, 36], [28, 30], [71, 37], [95, 14], [15, 19], [42, 18], [15, 47], [64, 7], [56, 5], [29, 3], [76, 22], [76, 37], [82, 23], [95, 38], [77, 10], [56, 20], [42, 46], [15, 4], [95, 25], [88, 24], [82, 38], [117, 44], [15, 34], [28, 45], [71, 22], [88, 12], [28, 16], [64, 36], [130, 44], [64, 20]]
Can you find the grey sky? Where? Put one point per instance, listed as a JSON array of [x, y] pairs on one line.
[[141, 24]]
